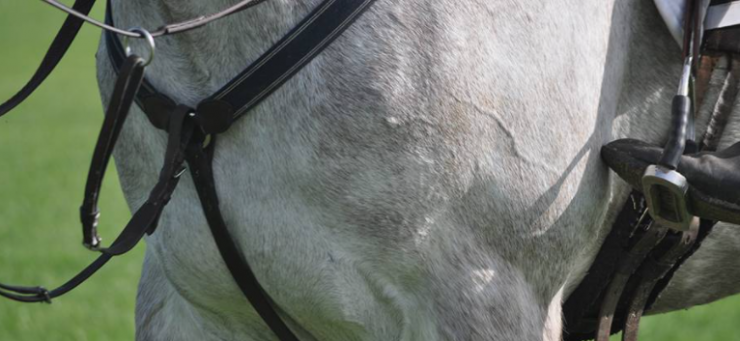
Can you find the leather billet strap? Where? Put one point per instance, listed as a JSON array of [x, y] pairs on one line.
[[581, 310], [54, 55], [651, 271]]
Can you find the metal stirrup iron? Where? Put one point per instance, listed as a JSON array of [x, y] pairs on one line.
[[665, 188]]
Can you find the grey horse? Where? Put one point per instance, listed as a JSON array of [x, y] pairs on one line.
[[433, 175]]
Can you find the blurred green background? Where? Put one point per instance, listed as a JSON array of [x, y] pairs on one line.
[[45, 148]]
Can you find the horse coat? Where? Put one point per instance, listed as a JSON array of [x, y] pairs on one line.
[[432, 175]]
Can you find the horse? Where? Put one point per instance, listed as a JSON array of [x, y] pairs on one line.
[[433, 175]]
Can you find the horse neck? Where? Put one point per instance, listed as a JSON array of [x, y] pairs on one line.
[[192, 65]]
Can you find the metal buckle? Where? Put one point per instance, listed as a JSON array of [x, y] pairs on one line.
[[90, 238], [144, 34], [180, 172], [665, 191]]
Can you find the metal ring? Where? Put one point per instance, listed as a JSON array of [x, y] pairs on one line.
[[142, 34]]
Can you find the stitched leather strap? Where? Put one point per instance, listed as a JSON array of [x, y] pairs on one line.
[[276, 66], [327, 22], [124, 93], [200, 161]]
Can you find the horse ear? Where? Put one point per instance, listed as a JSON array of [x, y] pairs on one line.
[[672, 12]]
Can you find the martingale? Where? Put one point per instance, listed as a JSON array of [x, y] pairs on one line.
[[192, 131]]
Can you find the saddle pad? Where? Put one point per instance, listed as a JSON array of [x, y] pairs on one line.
[[720, 14]]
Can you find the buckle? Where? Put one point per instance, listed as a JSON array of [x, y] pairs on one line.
[[45, 295], [179, 173], [90, 238], [665, 191]]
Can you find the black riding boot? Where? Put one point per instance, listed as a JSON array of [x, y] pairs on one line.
[[714, 177]]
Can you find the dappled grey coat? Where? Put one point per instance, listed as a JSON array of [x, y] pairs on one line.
[[433, 175]]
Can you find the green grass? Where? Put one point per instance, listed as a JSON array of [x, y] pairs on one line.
[[45, 149], [45, 146]]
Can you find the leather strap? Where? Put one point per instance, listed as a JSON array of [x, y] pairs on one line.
[[651, 271], [54, 55], [581, 310], [627, 266], [327, 22], [125, 89], [200, 161], [145, 219], [40, 294], [245, 91], [638, 260], [187, 130], [147, 216]]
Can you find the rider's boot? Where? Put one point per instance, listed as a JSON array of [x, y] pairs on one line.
[[714, 177]]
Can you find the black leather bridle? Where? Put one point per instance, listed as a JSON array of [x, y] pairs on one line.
[[192, 132]]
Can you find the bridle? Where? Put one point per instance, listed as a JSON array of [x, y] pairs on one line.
[[628, 277], [192, 132], [79, 13]]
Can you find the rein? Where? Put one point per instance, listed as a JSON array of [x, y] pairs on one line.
[[79, 14], [164, 30]]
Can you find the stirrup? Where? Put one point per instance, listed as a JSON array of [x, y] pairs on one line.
[[665, 188], [665, 191]]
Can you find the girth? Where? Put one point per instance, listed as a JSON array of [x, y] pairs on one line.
[[192, 137]]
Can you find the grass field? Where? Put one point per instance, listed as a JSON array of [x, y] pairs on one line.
[[45, 146]]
